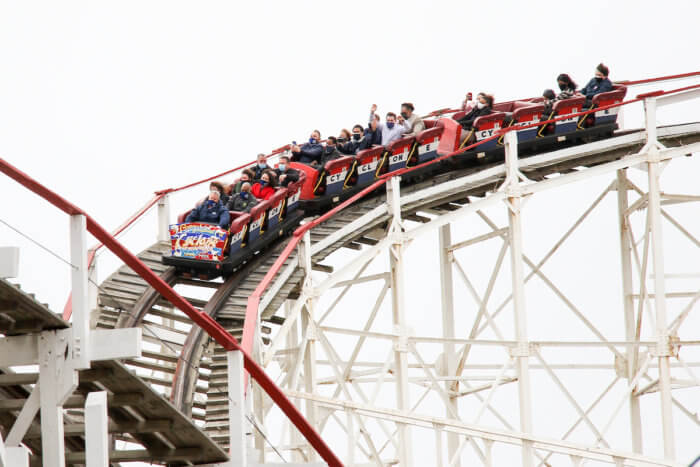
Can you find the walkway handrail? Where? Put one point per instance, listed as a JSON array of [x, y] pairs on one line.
[[253, 304], [92, 253], [207, 323]]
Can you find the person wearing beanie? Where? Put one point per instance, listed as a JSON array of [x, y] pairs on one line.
[[598, 84]]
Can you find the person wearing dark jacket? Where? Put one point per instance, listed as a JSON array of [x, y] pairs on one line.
[[212, 211], [309, 153], [247, 176], [331, 151], [598, 84], [358, 142], [373, 134], [260, 166], [285, 174], [243, 201], [483, 107], [215, 186]]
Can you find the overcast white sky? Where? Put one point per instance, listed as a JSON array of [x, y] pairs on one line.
[[106, 102]]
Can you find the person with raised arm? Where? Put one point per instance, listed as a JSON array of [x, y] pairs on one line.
[[372, 133], [393, 128]]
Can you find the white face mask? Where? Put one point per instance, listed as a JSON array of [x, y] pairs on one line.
[[480, 105]]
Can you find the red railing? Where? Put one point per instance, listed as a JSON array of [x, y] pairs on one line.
[[210, 326]]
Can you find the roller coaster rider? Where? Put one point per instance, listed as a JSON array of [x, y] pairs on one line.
[[212, 211], [597, 85], [309, 153]]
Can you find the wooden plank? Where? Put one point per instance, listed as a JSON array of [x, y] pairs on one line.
[[145, 455], [15, 379], [78, 429]]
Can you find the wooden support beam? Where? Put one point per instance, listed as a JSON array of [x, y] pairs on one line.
[[75, 402], [143, 455], [367, 241], [417, 218], [322, 268], [78, 429], [14, 379]]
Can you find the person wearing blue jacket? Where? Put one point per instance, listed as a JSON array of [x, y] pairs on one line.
[[598, 84], [358, 142], [211, 211], [309, 153]]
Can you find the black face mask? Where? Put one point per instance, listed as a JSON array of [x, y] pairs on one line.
[[341, 140], [404, 115], [329, 148], [598, 80], [563, 86], [356, 136]]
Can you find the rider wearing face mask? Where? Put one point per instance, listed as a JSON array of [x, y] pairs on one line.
[[243, 201], [393, 128], [330, 152], [285, 174], [309, 153], [260, 166], [484, 104], [598, 84], [567, 86], [265, 188], [413, 120], [358, 142], [211, 211]]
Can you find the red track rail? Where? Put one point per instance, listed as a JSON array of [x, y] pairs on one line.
[[207, 323]]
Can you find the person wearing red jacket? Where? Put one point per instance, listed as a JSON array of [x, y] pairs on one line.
[[263, 189]]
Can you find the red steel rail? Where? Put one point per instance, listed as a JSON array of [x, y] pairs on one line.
[[207, 323]]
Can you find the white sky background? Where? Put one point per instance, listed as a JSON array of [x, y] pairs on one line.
[[107, 102]]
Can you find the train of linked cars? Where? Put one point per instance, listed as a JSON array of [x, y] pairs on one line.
[[205, 252]]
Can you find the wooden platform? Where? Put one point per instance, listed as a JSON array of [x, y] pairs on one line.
[[137, 413]]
